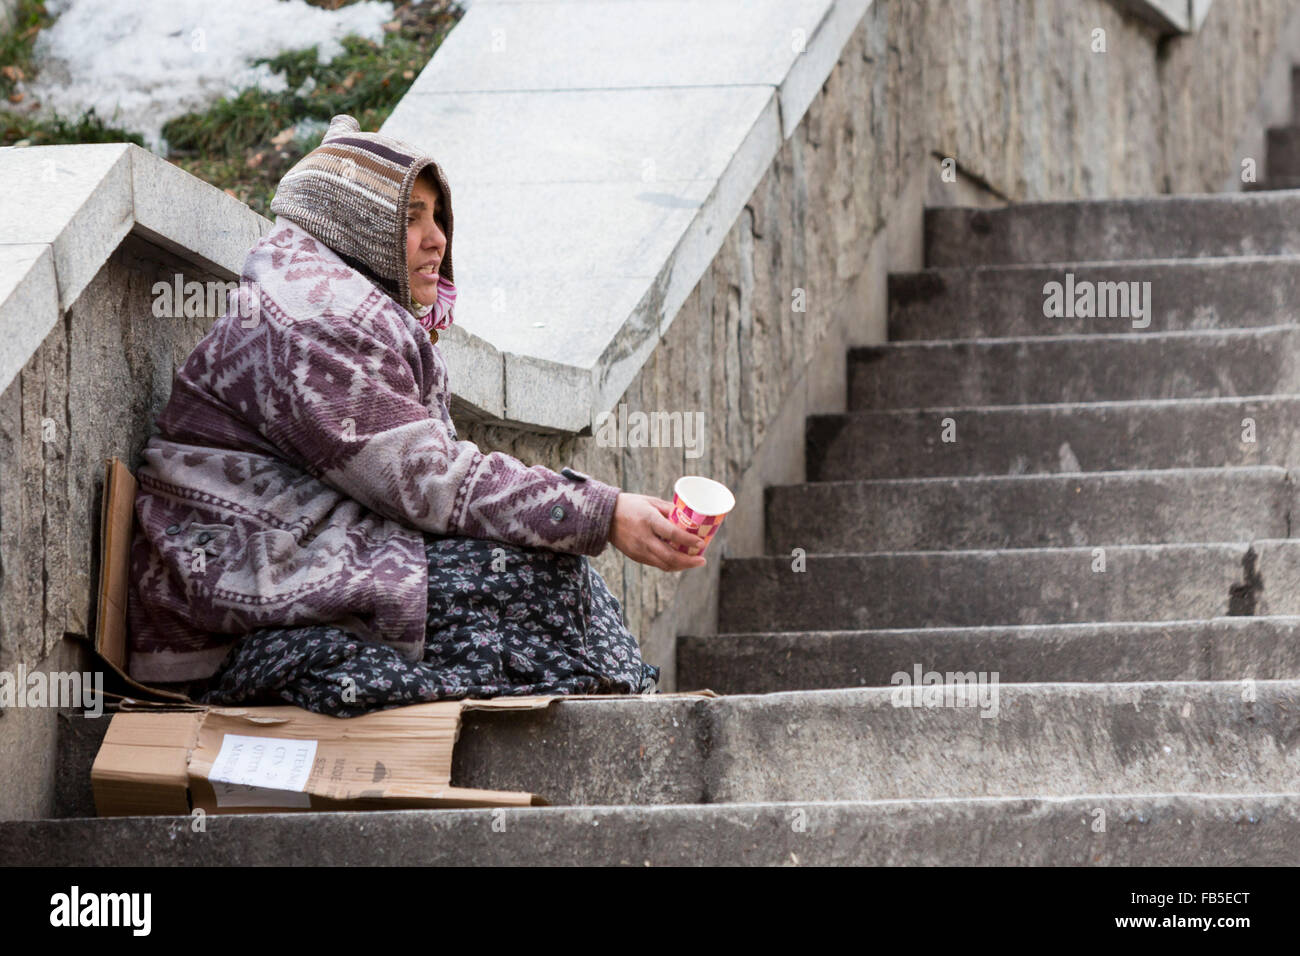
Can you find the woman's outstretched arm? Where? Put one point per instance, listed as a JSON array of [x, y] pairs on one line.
[[342, 401]]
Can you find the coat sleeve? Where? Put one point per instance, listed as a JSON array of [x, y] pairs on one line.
[[345, 404]]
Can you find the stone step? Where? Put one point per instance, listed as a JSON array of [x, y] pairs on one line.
[[1038, 739], [1030, 511], [1283, 145], [1182, 829], [1161, 227], [1226, 648], [1271, 183], [1075, 368], [1065, 437], [1295, 94], [997, 301], [908, 589]]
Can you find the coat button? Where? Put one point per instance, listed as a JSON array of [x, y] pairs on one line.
[[573, 475], [174, 529], [205, 537], [557, 513]]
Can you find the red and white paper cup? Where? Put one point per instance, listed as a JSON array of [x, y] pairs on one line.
[[699, 505]]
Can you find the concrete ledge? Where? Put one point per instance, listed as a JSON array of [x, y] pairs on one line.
[[1186, 295], [75, 199], [1225, 648], [1114, 230], [1030, 511], [72, 208], [1168, 16], [1051, 739], [1183, 829], [1057, 437], [599, 153], [1054, 739], [910, 589], [1107, 365]]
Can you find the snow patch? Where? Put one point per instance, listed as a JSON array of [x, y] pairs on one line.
[[142, 63]]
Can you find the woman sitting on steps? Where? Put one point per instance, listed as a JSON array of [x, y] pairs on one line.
[[311, 531]]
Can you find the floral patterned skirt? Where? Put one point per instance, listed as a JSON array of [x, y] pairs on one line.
[[502, 620]]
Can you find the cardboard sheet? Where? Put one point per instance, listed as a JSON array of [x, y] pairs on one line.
[[279, 759], [116, 525]]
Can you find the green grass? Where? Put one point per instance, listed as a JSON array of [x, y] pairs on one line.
[[16, 45], [230, 144], [87, 128], [16, 64]]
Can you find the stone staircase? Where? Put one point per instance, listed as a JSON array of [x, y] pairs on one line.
[[1148, 707], [1073, 441]]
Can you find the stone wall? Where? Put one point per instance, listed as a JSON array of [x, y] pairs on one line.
[[92, 391]]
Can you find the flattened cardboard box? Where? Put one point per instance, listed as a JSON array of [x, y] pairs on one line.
[[174, 760], [174, 756]]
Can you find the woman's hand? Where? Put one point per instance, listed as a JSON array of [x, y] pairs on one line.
[[641, 530]]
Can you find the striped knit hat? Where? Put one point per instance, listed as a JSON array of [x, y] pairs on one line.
[[351, 192]]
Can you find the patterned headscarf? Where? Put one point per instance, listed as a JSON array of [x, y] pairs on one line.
[[438, 316]]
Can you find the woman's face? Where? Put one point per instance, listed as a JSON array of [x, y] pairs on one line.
[[425, 242]]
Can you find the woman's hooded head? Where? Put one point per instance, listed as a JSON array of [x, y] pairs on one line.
[[352, 192]]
